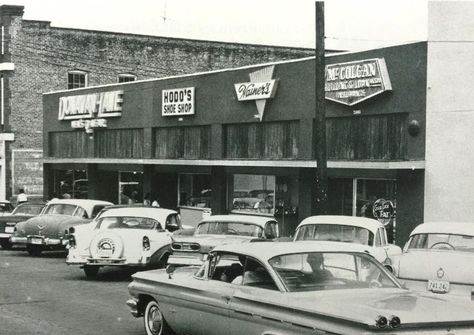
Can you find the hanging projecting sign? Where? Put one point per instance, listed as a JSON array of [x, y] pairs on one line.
[[260, 88], [90, 110], [353, 82], [178, 101]]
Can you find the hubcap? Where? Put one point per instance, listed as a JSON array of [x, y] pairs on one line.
[[155, 320]]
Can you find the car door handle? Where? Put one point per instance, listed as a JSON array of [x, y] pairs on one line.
[[226, 298]]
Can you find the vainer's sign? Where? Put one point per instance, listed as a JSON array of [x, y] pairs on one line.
[[353, 82], [178, 101], [255, 91]]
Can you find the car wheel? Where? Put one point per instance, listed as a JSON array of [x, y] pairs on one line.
[[34, 250], [91, 272], [155, 323], [6, 244]]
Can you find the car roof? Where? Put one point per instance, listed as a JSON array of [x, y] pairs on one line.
[[346, 220], [445, 227], [258, 220], [5, 202], [157, 213], [268, 250]]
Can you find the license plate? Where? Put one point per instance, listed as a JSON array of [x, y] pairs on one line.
[[9, 229], [36, 240], [438, 286], [105, 253]]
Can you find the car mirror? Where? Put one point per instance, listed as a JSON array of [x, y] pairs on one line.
[[170, 270]]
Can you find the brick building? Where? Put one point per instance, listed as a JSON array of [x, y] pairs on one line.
[[36, 58]]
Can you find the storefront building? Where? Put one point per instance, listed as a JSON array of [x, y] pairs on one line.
[[241, 140]]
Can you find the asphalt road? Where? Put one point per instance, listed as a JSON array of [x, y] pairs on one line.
[[42, 295]]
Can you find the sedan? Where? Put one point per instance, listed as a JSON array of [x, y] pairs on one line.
[[350, 229], [439, 258], [50, 230], [22, 212], [124, 237], [290, 288]]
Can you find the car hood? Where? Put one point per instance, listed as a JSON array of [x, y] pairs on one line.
[[50, 225], [364, 305], [448, 265]]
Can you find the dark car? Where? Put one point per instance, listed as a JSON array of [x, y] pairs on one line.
[[22, 212]]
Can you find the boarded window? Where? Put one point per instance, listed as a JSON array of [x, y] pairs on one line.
[[182, 142], [273, 140], [71, 144], [375, 137], [118, 143]]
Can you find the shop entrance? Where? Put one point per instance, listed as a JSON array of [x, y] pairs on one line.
[[130, 187]]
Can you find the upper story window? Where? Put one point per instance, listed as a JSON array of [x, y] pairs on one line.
[[76, 79], [126, 77]]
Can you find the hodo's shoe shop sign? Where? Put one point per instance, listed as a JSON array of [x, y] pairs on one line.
[[353, 82], [178, 101], [89, 111]]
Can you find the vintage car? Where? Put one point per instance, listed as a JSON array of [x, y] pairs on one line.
[[368, 232], [289, 288], [6, 207], [22, 212], [124, 236], [50, 229], [220, 229], [439, 257]]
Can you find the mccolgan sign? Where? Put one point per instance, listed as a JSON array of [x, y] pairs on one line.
[[353, 82]]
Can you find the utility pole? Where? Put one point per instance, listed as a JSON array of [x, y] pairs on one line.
[[321, 192]]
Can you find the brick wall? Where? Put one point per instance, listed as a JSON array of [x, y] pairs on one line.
[[43, 55]]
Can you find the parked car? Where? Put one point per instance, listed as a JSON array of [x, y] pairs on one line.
[[22, 212], [360, 230], [50, 229], [439, 257], [220, 229], [6, 207], [124, 236], [290, 288]]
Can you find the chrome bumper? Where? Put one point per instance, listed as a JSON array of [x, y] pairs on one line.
[[133, 304], [39, 240], [18, 240], [5, 235]]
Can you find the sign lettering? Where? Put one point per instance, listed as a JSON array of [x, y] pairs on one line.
[[87, 106], [179, 101], [256, 91]]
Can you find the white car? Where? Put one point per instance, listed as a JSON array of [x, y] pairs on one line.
[[218, 230], [352, 229], [439, 257], [124, 236]]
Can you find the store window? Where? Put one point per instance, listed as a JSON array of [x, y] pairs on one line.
[[253, 194], [76, 79], [195, 190], [130, 187], [70, 184]]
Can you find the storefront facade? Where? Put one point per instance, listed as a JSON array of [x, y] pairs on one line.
[[241, 140]]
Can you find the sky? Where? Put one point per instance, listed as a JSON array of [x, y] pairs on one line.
[[349, 25]]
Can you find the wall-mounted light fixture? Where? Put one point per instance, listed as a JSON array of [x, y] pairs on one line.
[[414, 127]]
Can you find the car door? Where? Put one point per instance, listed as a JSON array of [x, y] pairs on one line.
[[205, 309]]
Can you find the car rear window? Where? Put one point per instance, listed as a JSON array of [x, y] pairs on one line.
[[229, 228], [127, 222]]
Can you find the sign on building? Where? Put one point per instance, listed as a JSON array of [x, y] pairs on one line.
[[353, 82], [178, 101]]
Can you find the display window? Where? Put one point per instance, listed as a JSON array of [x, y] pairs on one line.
[[130, 187], [253, 194], [195, 190], [70, 184]]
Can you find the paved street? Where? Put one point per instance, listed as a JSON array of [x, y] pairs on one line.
[[45, 296]]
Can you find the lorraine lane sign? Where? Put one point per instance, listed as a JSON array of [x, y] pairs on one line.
[[353, 82]]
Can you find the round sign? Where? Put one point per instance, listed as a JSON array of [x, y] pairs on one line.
[[383, 210]]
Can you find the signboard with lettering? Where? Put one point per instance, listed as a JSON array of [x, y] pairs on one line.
[[88, 106], [27, 171], [383, 210], [178, 101], [256, 91], [353, 82]]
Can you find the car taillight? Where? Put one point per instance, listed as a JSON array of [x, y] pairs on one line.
[[176, 246], [146, 243], [72, 241], [194, 247]]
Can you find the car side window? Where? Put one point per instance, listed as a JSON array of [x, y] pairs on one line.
[[256, 275], [378, 241], [81, 212], [383, 235], [226, 267], [172, 223], [96, 210], [270, 230]]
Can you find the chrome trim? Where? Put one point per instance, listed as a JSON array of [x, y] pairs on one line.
[[133, 304]]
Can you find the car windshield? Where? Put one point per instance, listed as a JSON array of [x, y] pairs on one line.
[[5, 207], [442, 241], [126, 222], [65, 209], [27, 209], [229, 228], [334, 232], [321, 271]]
